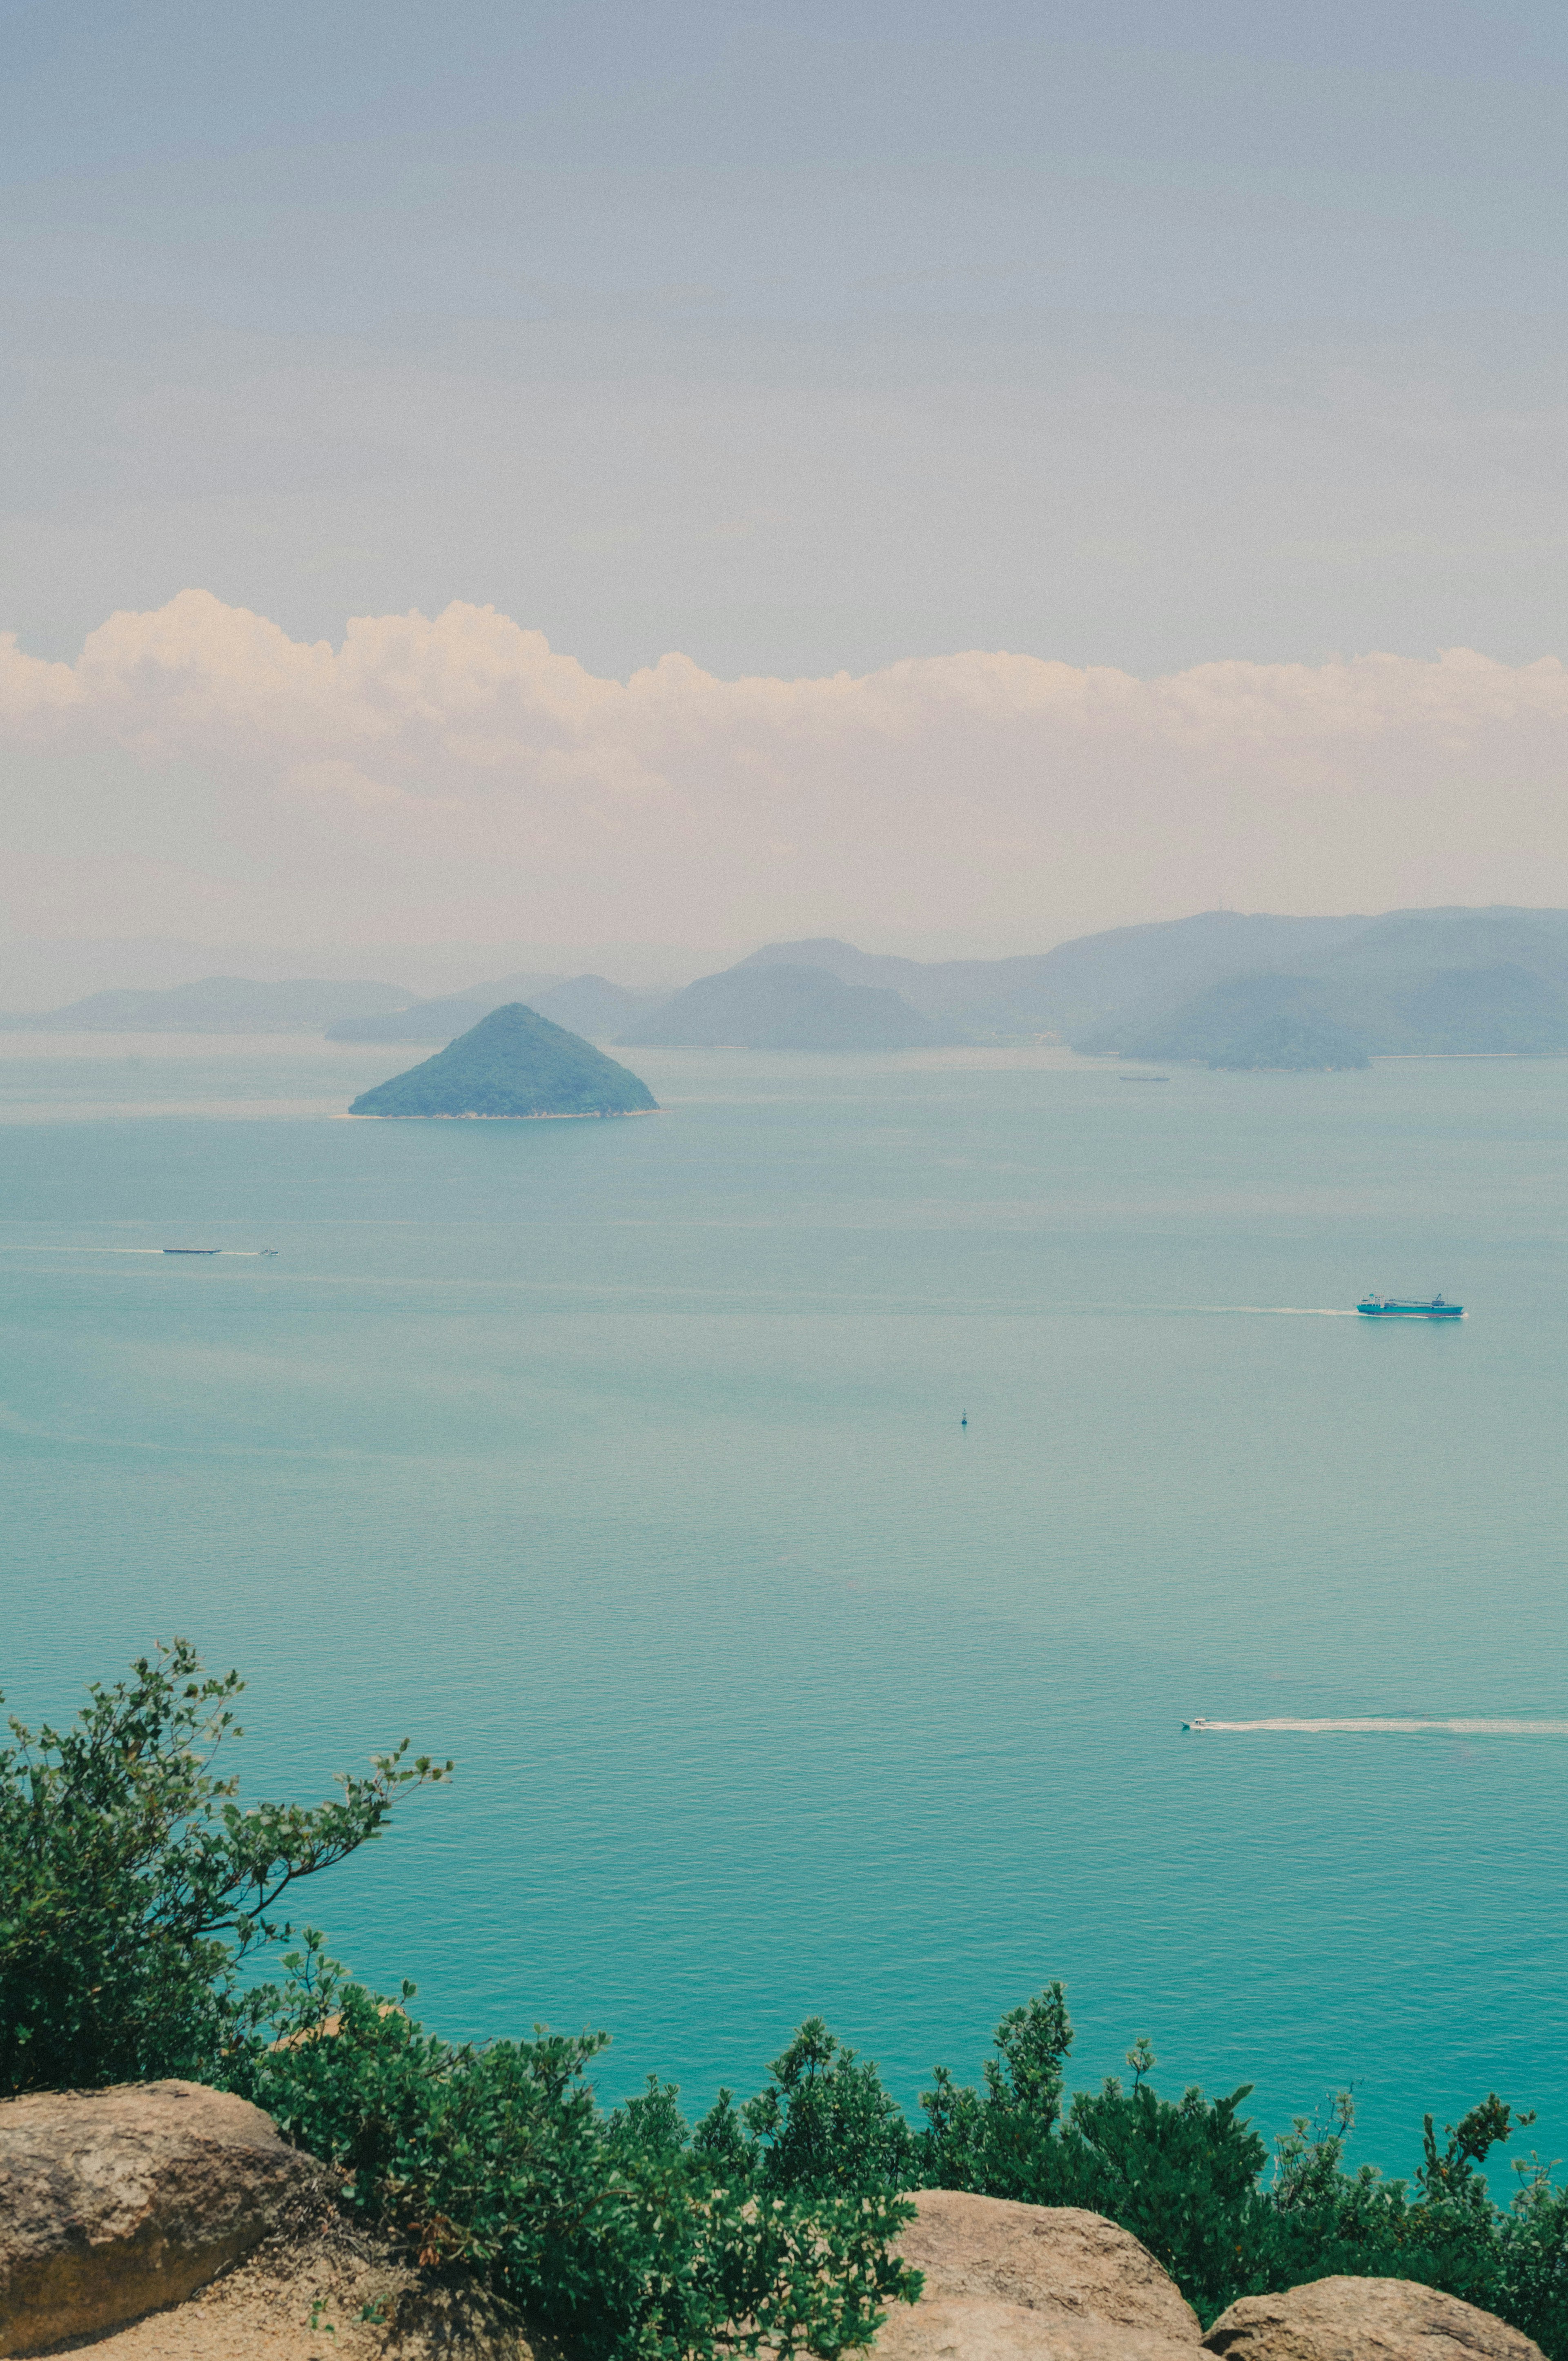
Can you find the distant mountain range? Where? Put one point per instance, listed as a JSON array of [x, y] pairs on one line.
[[1227, 989], [1222, 987], [219, 1003], [1089, 981], [589, 1005], [1420, 983], [344, 1012]]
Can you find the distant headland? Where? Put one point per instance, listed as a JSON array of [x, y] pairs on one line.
[[515, 1066]]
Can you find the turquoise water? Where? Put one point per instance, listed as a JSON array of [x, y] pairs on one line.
[[624, 1463]]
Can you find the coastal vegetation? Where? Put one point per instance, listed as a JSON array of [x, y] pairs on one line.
[[136, 1892]]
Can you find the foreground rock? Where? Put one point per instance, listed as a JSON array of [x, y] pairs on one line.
[[1364, 2320], [112, 2202], [1012, 2283], [329, 2293]]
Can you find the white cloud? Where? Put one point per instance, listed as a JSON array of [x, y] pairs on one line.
[[455, 773]]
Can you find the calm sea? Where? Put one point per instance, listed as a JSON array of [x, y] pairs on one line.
[[624, 1462]]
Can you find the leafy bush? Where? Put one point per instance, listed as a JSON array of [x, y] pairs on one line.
[[132, 1885], [617, 2232], [824, 2124], [1186, 2178]]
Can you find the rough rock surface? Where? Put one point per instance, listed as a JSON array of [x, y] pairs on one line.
[[112, 2202], [1012, 2283], [1364, 2320], [326, 2292]]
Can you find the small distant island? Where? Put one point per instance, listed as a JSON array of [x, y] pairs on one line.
[[514, 1065]]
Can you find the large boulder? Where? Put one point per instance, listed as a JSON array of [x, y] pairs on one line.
[[112, 2202], [1012, 2283], [1364, 2320]]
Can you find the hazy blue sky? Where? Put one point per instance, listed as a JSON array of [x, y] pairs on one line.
[[796, 340], [794, 337]]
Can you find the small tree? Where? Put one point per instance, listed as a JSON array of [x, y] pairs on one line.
[[132, 1884], [825, 2123], [1000, 2140]]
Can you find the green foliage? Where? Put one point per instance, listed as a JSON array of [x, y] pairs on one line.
[[1444, 2229], [1000, 2140], [1178, 2174], [825, 2123], [617, 2232], [132, 1884], [1185, 2177]]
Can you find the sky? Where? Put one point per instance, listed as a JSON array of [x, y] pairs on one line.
[[667, 476]]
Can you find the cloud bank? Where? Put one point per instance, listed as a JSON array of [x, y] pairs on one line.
[[196, 768]]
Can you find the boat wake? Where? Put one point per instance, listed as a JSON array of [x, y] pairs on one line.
[[1375, 1723], [1253, 1310]]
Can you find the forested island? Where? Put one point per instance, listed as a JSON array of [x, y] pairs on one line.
[[513, 1064]]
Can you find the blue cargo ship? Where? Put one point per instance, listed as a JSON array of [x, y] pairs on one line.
[[1390, 1307]]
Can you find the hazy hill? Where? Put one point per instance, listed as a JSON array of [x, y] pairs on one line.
[[589, 1004], [1535, 941], [512, 1063], [1345, 1014], [1113, 989], [427, 1020], [219, 1003], [1093, 981], [592, 1004], [770, 1006]]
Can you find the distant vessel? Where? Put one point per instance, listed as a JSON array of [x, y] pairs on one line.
[[1199, 1724], [1388, 1307], [201, 1251], [1143, 1078]]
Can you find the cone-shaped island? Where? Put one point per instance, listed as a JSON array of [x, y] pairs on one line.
[[514, 1064]]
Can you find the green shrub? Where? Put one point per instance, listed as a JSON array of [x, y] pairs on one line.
[[824, 2126], [133, 1888], [1186, 2178], [132, 1885], [615, 2231]]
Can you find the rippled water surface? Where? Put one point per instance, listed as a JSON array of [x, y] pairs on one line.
[[624, 1461]]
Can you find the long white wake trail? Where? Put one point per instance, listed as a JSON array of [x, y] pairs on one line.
[[1375, 1723]]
